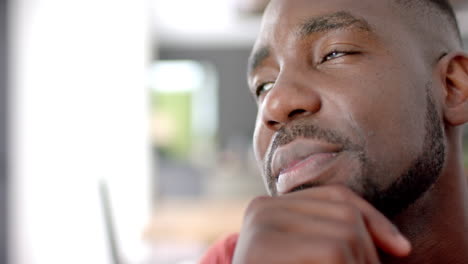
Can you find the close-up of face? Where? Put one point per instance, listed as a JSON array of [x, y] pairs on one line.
[[347, 95]]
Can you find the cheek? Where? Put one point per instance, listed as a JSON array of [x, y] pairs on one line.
[[394, 130], [261, 140]]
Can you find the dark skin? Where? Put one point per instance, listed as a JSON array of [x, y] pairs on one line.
[[366, 75]]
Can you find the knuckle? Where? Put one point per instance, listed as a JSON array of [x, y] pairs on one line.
[[257, 211], [335, 252], [350, 214], [262, 237], [350, 235], [256, 203]]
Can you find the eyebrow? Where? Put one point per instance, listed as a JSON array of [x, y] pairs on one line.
[[325, 23], [334, 21], [258, 57]]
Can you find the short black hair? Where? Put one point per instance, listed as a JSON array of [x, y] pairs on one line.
[[443, 6], [446, 8]]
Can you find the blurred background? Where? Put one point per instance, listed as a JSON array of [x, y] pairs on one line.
[[126, 129]]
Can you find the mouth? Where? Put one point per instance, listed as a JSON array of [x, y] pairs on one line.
[[305, 172], [301, 163]]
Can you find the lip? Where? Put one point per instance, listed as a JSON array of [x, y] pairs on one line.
[[300, 162]]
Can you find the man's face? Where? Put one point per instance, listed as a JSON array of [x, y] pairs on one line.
[[344, 96]]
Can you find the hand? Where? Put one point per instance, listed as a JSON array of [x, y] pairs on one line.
[[329, 224]]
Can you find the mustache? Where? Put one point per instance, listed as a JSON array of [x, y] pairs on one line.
[[288, 134]]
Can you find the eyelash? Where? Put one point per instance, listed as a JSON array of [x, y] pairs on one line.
[[335, 53], [340, 54], [259, 89]]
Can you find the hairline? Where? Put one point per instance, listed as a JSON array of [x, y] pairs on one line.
[[442, 7]]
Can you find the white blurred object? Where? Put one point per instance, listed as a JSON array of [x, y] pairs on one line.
[[176, 76], [203, 23], [79, 110]]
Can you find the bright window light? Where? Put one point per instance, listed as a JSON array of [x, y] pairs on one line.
[[194, 16], [176, 76]]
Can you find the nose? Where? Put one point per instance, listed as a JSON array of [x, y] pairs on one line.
[[288, 100]]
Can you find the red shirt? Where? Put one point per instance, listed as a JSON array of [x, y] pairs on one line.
[[221, 252]]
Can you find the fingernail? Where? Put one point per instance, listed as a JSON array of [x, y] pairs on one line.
[[404, 243]]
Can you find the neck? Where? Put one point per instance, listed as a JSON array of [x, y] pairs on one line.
[[437, 223]]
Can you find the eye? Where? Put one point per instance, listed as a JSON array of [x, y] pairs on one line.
[[264, 87], [334, 55]]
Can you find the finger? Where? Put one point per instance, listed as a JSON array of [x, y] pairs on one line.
[[354, 236], [327, 250], [279, 247], [325, 219], [385, 235]]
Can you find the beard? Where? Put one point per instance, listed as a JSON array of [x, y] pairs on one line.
[[405, 190]]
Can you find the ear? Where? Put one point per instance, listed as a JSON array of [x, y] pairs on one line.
[[455, 73]]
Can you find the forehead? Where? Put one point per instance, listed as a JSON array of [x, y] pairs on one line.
[[285, 17]]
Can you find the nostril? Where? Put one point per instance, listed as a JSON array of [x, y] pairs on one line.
[[272, 123], [296, 112]]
